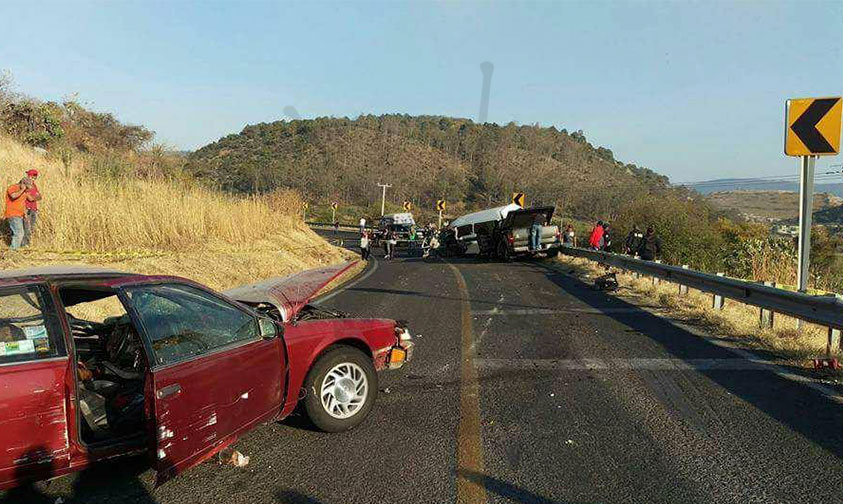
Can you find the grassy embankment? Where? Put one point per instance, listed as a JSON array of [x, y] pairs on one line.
[[160, 225], [736, 320]]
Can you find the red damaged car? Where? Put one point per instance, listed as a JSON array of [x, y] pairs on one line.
[[96, 364]]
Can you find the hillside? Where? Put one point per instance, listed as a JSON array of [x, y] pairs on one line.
[[765, 206], [424, 158]]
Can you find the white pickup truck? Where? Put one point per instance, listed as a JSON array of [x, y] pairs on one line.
[[511, 236]]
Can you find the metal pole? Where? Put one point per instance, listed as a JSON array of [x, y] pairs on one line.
[[806, 206], [333, 215], [383, 197], [440, 220]]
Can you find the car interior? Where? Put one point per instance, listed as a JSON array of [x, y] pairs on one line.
[[111, 365]]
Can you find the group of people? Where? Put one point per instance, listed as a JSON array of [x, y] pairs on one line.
[[646, 245], [21, 209], [389, 239]]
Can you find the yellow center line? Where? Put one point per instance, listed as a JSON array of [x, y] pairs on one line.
[[469, 443]]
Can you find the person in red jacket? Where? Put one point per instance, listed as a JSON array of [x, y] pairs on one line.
[[596, 238]]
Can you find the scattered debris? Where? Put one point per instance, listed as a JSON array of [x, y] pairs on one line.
[[59, 500], [607, 282], [570, 442], [233, 457], [385, 390], [552, 394]]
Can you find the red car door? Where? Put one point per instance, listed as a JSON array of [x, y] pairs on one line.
[[33, 371], [213, 373]]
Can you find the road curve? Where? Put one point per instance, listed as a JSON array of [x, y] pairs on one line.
[[528, 386]]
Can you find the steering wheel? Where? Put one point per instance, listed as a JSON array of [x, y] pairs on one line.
[[117, 341]]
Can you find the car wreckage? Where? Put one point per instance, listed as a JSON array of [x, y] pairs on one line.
[[176, 370]]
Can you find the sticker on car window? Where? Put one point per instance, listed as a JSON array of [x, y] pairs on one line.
[[17, 347], [35, 332]]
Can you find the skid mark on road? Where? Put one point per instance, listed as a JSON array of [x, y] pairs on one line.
[[469, 444]]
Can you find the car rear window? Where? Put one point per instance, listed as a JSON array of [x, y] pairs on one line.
[[29, 328]]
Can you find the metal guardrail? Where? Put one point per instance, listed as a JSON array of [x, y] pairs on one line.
[[825, 310]]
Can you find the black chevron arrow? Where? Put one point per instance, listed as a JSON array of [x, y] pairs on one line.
[[806, 126]]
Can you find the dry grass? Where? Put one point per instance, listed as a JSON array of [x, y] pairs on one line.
[[736, 320], [81, 212], [158, 226]]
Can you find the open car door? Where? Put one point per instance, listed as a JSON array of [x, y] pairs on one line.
[[214, 372]]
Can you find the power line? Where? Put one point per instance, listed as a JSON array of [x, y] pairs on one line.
[[823, 176]]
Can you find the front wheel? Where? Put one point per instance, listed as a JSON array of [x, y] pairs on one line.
[[341, 389]]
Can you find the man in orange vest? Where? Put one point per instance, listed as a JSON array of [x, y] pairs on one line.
[[15, 212]]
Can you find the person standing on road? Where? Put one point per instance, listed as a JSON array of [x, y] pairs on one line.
[[536, 232], [15, 211], [606, 240], [32, 198], [633, 241], [596, 237], [362, 224], [364, 246], [387, 242], [651, 245], [569, 238], [393, 243]]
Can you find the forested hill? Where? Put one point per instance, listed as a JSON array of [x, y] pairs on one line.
[[424, 158]]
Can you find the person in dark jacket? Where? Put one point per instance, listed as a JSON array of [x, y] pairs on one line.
[[633, 241], [651, 245], [606, 240]]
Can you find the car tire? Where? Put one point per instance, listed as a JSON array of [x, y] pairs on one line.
[[552, 253], [333, 381]]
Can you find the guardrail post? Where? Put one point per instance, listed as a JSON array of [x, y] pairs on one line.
[[683, 289], [719, 302], [766, 317], [833, 344], [655, 278]]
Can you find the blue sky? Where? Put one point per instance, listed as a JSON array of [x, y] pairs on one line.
[[691, 90]]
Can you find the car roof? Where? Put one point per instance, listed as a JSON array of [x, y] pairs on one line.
[[45, 273]]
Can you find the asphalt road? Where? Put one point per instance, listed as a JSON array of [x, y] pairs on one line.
[[528, 386]]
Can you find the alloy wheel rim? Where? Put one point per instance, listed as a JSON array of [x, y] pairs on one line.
[[344, 390]]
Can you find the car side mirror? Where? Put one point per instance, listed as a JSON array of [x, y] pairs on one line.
[[268, 328]]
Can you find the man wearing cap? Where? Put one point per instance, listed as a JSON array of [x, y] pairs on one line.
[[32, 199], [15, 211]]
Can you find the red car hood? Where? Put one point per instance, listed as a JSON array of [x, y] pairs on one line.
[[289, 294]]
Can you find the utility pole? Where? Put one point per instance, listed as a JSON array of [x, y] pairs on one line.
[[383, 197]]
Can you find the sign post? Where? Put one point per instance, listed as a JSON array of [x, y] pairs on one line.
[[334, 206], [304, 210], [812, 129], [806, 207]]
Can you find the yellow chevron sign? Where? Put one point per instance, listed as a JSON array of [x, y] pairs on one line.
[[440, 205], [518, 199], [813, 126]]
